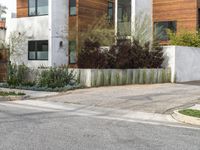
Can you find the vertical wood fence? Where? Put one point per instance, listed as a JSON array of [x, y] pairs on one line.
[[3, 64]]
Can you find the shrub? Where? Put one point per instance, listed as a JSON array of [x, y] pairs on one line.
[[185, 38], [17, 74], [56, 78], [91, 56], [100, 31], [122, 56]]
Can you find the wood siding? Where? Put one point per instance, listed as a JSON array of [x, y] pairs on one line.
[[88, 12], [3, 64], [2, 25], [22, 8], [185, 12]]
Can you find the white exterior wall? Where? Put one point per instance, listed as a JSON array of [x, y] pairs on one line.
[[184, 63], [2, 34], [52, 27], [58, 32], [144, 14], [34, 28]]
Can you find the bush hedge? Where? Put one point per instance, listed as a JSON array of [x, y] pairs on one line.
[[122, 56], [51, 79], [185, 38]]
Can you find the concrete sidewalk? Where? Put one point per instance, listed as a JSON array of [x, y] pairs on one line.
[[160, 98]]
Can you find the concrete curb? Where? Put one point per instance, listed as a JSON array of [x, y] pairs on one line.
[[186, 119]]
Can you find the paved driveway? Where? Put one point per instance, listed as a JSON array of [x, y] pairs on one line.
[[160, 98]]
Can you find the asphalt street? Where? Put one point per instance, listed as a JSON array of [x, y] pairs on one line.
[[49, 126]]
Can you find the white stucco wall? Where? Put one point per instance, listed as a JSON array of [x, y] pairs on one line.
[[34, 28], [143, 17], [184, 63], [58, 32], [2, 36], [52, 27], [144, 6]]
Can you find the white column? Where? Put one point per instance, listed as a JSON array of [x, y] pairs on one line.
[[116, 16], [58, 32], [133, 17]]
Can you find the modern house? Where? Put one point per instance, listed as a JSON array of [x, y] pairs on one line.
[[176, 15], [48, 27], [43, 23]]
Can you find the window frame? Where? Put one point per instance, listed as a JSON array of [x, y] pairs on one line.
[[170, 21], [70, 9], [35, 50], [111, 19], [72, 41], [36, 9]]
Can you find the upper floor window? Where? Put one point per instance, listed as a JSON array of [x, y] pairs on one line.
[[110, 11], [72, 7], [38, 7], [160, 29]]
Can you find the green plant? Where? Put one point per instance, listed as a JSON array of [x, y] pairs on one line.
[[56, 78], [184, 38], [17, 74], [11, 94], [191, 112], [91, 56]]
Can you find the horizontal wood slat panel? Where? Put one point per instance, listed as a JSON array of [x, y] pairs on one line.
[[22, 8], [183, 11]]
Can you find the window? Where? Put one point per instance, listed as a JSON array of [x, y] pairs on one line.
[[72, 52], [124, 18], [110, 11], [198, 19], [38, 7], [72, 7], [38, 50], [160, 29]]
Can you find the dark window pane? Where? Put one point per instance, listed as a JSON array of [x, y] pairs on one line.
[[42, 7], [162, 27], [31, 46], [72, 52], [124, 18], [42, 46], [110, 11], [72, 7], [32, 7]]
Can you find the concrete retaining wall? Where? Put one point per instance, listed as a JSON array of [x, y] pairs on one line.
[[184, 63], [114, 77]]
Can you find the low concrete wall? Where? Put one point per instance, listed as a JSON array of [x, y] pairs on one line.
[[184, 63], [111, 77], [114, 77]]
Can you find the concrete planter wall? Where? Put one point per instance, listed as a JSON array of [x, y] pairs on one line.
[[114, 77], [184, 63]]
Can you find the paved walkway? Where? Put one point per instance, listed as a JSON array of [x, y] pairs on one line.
[[160, 98]]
